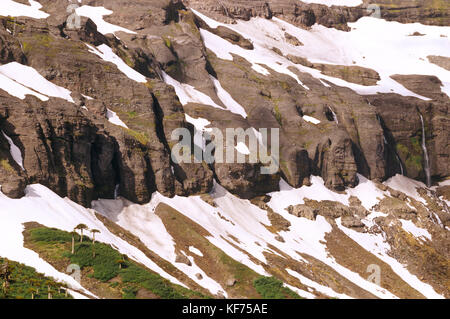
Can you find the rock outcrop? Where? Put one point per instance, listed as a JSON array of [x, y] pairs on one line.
[[306, 14]]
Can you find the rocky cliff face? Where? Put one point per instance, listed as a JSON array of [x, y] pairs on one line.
[[307, 14], [73, 149]]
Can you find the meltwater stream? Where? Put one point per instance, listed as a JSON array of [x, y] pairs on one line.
[[425, 154]]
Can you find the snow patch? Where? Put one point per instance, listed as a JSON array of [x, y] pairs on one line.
[[227, 99], [142, 221], [19, 80], [200, 127], [406, 185], [238, 218], [311, 119], [96, 14], [411, 228], [196, 251], [396, 52], [260, 55], [294, 196], [445, 183], [113, 118], [188, 94], [15, 151], [15, 9], [107, 54], [307, 236], [199, 123], [87, 97], [320, 288], [301, 293], [76, 295]]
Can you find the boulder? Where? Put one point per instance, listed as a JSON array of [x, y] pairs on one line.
[[302, 211], [352, 222], [181, 258], [231, 282]]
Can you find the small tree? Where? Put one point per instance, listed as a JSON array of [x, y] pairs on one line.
[[49, 289], [5, 287], [73, 241], [5, 270], [81, 227], [93, 232], [120, 262], [32, 292]]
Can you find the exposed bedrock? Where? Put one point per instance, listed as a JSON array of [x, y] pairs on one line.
[[307, 14], [73, 148], [404, 134]]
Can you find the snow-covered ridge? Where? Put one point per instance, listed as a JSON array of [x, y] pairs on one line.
[[45, 207], [386, 47], [260, 55], [231, 218], [144, 223]]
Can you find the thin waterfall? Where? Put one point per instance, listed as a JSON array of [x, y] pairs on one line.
[[425, 154], [116, 191], [400, 163]]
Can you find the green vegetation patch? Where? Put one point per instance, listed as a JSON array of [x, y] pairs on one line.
[[107, 265], [25, 282], [5, 164], [278, 116], [413, 156], [272, 288], [140, 137]]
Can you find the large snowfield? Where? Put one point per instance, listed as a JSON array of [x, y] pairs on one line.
[[233, 217], [389, 48]]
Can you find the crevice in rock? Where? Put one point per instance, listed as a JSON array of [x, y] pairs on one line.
[[361, 162], [299, 110], [179, 174], [329, 114], [391, 155], [159, 118]]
